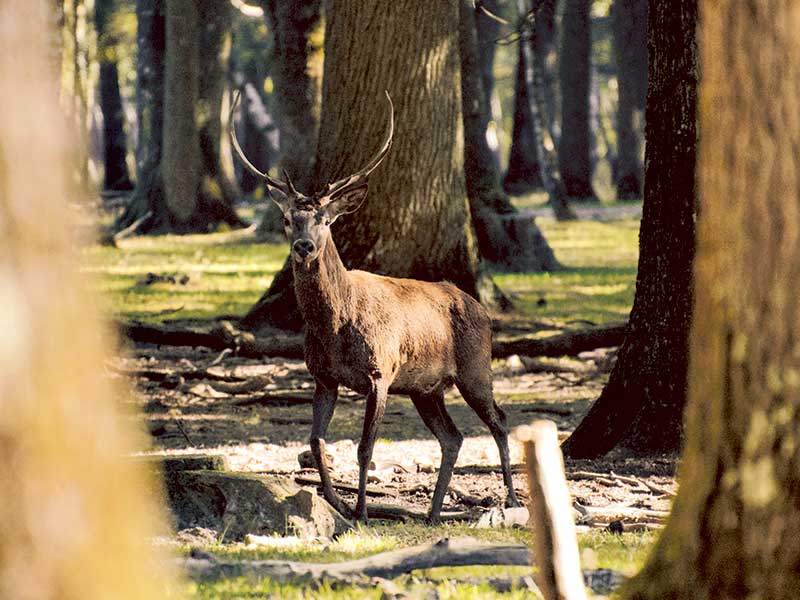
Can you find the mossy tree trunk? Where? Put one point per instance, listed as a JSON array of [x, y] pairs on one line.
[[115, 140], [734, 531], [186, 190], [641, 407], [506, 239], [574, 146], [415, 221], [629, 19]]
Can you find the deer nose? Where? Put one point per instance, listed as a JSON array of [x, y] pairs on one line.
[[303, 248]]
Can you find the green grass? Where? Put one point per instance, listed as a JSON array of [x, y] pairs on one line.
[[624, 553], [228, 272], [598, 282]]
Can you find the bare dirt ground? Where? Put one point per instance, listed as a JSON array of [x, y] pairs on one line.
[[257, 414]]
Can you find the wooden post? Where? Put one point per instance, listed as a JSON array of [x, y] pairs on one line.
[[555, 548]]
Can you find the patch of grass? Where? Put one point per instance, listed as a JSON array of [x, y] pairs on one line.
[[625, 553], [227, 273], [598, 283]]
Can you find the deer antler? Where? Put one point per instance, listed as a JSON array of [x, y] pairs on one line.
[[360, 176], [286, 188]]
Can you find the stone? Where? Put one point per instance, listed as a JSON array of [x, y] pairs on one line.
[[237, 504]]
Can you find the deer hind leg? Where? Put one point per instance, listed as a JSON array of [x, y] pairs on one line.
[[478, 395], [432, 410], [376, 405], [325, 396]]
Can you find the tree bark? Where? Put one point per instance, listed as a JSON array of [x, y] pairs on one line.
[[734, 531], [629, 19], [574, 147], [182, 188], [115, 141], [506, 239], [640, 409], [76, 510], [415, 222]]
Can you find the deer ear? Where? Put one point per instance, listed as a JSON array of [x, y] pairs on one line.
[[279, 198], [347, 202]]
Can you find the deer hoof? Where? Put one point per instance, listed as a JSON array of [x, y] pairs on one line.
[[512, 502]]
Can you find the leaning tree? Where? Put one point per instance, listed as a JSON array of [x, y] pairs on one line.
[[734, 531], [415, 221], [641, 406]]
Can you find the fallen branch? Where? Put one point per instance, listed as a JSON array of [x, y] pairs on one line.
[[346, 487], [287, 345], [570, 343], [459, 552]]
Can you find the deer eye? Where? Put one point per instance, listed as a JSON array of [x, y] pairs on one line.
[[286, 222]]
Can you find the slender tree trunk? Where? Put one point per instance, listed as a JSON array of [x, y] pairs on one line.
[[488, 30], [629, 20], [734, 531], [415, 221], [506, 239], [523, 173], [641, 407], [115, 141], [574, 148]]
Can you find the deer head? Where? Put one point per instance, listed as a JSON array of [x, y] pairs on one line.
[[307, 219]]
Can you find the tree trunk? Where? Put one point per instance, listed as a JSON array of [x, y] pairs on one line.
[[734, 531], [297, 74], [506, 239], [415, 221], [522, 174], [641, 407], [574, 148], [488, 31], [77, 511], [115, 142], [181, 187], [542, 137], [629, 20]]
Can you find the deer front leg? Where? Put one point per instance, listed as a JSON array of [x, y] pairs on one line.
[[376, 405], [325, 397]]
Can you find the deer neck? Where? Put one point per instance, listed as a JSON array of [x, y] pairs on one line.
[[323, 292]]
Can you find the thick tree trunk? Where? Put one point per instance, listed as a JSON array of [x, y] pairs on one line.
[[574, 147], [506, 239], [115, 142], [186, 190], [415, 221], [629, 20], [296, 73], [641, 407], [734, 531], [77, 511]]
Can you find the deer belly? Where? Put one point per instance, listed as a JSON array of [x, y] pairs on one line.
[[422, 377]]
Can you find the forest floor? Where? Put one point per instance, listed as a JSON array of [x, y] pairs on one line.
[[263, 427]]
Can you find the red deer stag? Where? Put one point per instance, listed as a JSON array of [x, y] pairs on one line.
[[379, 335]]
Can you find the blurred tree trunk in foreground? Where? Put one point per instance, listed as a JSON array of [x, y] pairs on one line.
[[186, 190], [77, 513], [415, 221], [574, 145], [296, 60], [641, 406], [734, 531], [115, 141], [506, 239], [629, 18]]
